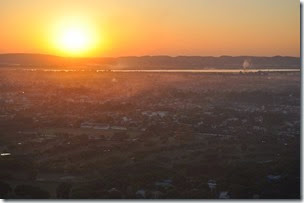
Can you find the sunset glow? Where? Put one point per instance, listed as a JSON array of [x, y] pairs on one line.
[[75, 37], [150, 100], [74, 40], [147, 27]]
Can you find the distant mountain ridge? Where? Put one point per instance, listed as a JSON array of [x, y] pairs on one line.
[[149, 62]]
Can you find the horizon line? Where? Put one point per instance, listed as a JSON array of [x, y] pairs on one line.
[[159, 55]]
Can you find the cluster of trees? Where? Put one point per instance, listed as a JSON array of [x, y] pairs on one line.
[[22, 192]]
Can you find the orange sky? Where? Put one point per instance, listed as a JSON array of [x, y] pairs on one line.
[[156, 27]]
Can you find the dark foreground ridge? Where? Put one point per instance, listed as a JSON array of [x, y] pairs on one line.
[[150, 62]]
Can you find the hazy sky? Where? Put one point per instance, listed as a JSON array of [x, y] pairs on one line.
[[156, 27]]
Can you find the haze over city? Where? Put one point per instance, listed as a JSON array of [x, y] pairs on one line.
[[150, 99]]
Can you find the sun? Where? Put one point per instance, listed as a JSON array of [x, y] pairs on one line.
[[75, 39]]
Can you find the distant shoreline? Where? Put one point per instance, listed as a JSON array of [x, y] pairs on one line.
[[157, 70]]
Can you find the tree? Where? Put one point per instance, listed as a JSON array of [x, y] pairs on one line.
[[30, 192], [63, 190], [5, 190]]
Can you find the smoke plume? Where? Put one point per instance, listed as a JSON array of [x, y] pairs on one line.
[[247, 64]]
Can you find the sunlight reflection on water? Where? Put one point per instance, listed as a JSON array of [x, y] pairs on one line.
[[168, 71]]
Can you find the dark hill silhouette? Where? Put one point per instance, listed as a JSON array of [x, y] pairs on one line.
[[43, 60], [149, 62]]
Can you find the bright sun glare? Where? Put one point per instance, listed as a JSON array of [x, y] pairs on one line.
[[75, 39]]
